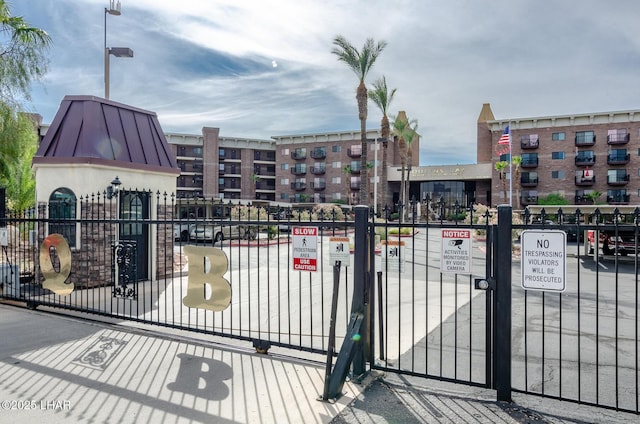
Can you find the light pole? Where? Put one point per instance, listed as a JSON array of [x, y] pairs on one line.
[[114, 9]]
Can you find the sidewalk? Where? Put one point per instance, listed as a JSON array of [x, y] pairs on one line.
[[60, 369]]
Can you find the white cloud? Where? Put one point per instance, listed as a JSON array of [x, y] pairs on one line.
[[209, 62]]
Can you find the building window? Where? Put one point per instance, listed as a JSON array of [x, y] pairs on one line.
[[336, 149], [197, 152], [284, 166], [559, 136], [284, 181], [284, 152], [557, 155], [62, 206], [558, 175], [336, 180], [336, 165], [284, 196], [504, 158]]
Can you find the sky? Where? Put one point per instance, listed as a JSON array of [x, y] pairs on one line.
[[263, 68]]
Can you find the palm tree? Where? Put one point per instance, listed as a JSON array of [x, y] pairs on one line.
[[405, 132], [360, 63], [516, 161], [501, 167], [21, 55], [382, 97]]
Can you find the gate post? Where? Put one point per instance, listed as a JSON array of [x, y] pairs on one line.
[[502, 339], [360, 271]]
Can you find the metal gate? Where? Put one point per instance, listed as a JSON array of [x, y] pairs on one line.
[[483, 328]]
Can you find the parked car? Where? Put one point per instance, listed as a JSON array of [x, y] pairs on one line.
[[624, 243], [181, 231], [217, 232]]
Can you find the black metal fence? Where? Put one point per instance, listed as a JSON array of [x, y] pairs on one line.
[[161, 265]]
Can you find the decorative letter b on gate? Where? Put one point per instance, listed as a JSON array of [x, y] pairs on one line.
[[200, 278]]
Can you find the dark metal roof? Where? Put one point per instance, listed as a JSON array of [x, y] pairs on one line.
[[93, 130]]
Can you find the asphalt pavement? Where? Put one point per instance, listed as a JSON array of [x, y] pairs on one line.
[[58, 368]]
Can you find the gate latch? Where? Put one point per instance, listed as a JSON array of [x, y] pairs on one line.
[[484, 283]]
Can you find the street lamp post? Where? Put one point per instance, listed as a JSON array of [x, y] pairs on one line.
[[114, 9]]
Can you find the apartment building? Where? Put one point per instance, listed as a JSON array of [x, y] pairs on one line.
[[576, 156], [214, 167], [301, 168]]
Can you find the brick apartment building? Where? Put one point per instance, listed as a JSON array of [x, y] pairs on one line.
[[571, 155]]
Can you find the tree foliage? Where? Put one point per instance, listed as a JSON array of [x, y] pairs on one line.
[[553, 199], [22, 55], [18, 144]]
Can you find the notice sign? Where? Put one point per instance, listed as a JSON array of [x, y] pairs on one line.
[[455, 251], [392, 255], [543, 262], [339, 250], [305, 248]]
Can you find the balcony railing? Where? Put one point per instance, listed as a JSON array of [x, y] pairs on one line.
[[618, 179], [585, 140], [354, 152], [529, 163], [618, 138], [585, 160], [529, 144], [299, 154], [318, 170], [617, 159], [319, 153], [529, 182], [621, 199], [354, 186], [582, 200], [298, 170], [298, 186], [528, 200], [318, 185], [585, 181], [355, 169]]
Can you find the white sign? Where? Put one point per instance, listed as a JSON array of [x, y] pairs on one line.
[[392, 255], [455, 251], [339, 250], [305, 248], [543, 263], [4, 239]]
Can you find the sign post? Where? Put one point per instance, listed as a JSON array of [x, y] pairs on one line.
[[455, 251], [305, 248], [543, 263]]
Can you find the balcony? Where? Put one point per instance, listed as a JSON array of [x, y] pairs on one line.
[[585, 160], [620, 199], [529, 143], [528, 181], [318, 185], [529, 163], [299, 154], [354, 152], [298, 186], [528, 200], [319, 153], [618, 159], [299, 170], [617, 180], [585, 181], [354, 186], [355, 169], [318, 170], [585, 140], [266, 185], [582, 200], [618, 138]]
